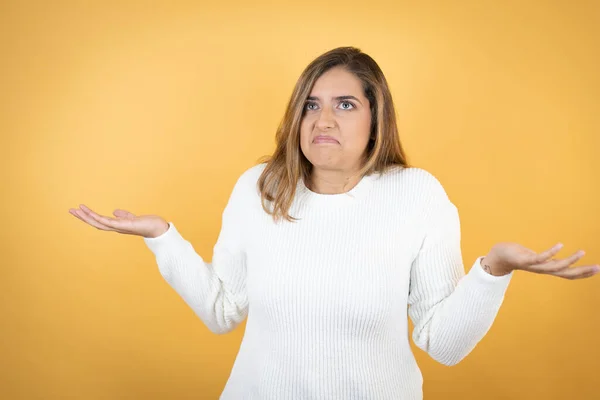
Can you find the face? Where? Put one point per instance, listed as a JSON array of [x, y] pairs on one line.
[[335, 128]]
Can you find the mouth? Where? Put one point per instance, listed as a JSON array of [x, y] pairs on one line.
[[325, 139]]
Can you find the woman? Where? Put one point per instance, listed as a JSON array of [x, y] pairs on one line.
[[325, 245]]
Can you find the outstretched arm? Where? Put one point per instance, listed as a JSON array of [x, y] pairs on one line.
[[452, 311], [216, 291]]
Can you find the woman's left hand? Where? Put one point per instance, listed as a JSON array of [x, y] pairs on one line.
[[504, 258]]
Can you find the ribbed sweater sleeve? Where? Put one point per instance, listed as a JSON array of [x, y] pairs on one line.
[[451, 311], [216, 291]]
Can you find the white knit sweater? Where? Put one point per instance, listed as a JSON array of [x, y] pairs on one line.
[[327, 297]]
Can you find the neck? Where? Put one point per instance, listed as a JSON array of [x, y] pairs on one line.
[[333, 181]]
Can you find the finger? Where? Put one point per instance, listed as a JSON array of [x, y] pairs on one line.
[[555, 265], [85, 217], [545, 255], [560, 265], [584, 271], [74, 213], [123, 214], [115, 224]]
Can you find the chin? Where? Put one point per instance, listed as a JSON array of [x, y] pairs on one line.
[[325, 164]]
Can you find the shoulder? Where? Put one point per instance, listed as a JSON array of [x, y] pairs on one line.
[[417, 181], [250, 176], [418, 191], [246, 183]]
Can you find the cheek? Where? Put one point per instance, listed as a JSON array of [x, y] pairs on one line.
[[365, 131], [305, 131], [357, 133]]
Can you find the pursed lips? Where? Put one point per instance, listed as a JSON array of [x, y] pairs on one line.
[[325, 139]]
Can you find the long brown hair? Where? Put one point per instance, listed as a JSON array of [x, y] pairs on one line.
[[278, 181]]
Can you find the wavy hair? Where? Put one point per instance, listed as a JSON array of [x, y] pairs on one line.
[[278, 181]]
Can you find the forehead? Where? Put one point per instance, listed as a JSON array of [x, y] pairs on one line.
[[337, 82]]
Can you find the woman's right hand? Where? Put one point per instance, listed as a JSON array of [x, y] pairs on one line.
[[148, 226]]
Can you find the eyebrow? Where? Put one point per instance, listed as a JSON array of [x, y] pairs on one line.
[[339, 98]]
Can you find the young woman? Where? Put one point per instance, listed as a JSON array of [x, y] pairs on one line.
[[326, 245]]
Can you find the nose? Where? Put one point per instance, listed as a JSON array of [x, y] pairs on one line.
[[326, 119]]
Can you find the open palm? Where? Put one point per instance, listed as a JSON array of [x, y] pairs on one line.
[[513, 256], [149, 226]]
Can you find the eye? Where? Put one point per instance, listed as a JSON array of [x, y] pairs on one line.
[[310, 105], [346, 105]]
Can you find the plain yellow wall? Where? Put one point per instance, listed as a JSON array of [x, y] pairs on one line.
[[157, 108]]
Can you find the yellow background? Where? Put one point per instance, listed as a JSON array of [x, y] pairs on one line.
[[157, 107]]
